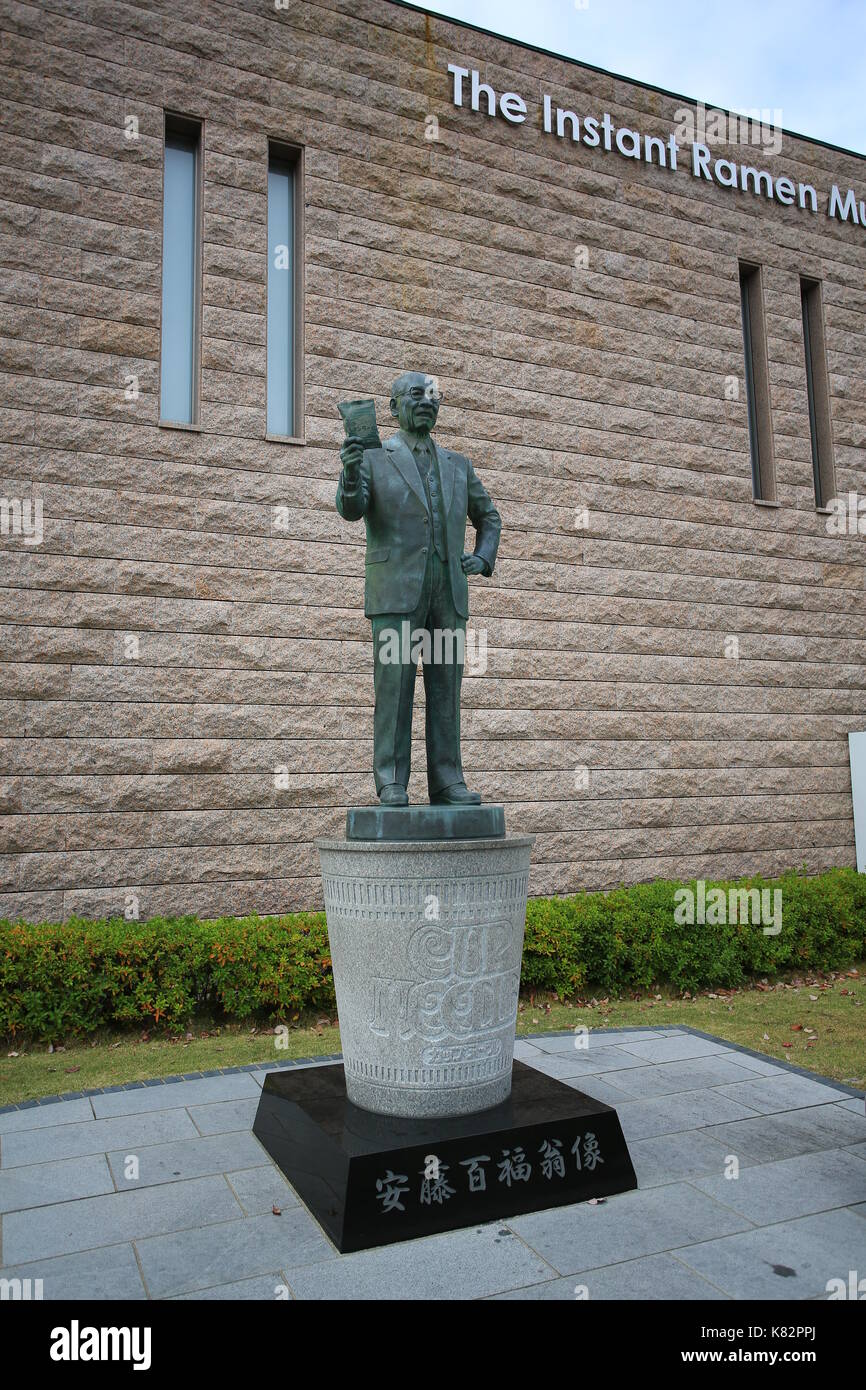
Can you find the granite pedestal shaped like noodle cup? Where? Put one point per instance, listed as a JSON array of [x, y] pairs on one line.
[[426, 942]]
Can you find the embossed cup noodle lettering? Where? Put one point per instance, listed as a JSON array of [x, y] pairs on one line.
[[427, 1001], [436, 1009], [602, 134], [489, 1050], [464, 950], [465, 981]]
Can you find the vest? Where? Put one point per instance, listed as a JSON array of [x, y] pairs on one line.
[[425, 457]]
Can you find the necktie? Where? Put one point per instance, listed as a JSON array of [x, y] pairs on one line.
[[422, 457], [423, 453]]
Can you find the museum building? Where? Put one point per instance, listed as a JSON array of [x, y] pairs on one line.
[[647, 321]]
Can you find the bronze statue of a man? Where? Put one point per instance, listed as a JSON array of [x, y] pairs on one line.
[[415, 497]]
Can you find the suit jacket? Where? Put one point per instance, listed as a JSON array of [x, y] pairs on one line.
[[391, 498]]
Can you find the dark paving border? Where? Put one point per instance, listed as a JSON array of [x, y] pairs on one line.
[[781, 1063]]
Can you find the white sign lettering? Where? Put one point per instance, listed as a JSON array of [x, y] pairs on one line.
[[600, 133]]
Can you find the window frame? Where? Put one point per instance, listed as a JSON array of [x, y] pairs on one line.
[[757, 376], [192, 127], [292, 153], [818, 394]]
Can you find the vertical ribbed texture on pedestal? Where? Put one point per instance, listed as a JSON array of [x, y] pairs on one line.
[[426, 942]]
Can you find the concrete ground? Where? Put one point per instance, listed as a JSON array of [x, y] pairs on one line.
[[197, 1221]]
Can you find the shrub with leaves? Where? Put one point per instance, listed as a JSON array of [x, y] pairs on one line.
[[78, 976], [631, 938]]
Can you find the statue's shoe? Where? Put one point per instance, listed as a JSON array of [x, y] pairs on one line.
[[393, 795], [457, 795]]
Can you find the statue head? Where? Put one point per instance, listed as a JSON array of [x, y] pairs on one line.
[[415, 399]]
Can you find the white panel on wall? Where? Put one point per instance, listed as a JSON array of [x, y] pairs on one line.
[[857, 753]]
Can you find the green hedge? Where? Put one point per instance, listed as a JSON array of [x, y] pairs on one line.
[[74, 977], [77, 976], [630, 938]]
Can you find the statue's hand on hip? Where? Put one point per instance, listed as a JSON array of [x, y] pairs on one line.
[[352, 455], [472, 564]]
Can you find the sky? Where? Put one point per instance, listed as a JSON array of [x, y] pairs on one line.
[[804, 58]]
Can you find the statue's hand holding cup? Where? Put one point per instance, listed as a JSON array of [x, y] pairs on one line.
[[352, 454]]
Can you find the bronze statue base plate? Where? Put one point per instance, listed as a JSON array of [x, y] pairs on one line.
[[425, 822]]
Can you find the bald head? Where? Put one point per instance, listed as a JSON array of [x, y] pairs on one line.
[[408, 380], [415, 398]]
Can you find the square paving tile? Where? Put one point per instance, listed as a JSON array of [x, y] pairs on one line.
[[625, 1227], [263, 1288], [222, 1116], [676, 1049], [599, 1087], [65, 1112], [640, 1119], [791, 1187], [565, 1065], [785, 1092], [201, 1092], [95, 1136], [597, 1038], [669, 1078], [259, 1190], [185, 1158], [121, 1216], [223, 1254], [653, 1277], [41, 1184], [760, 1066], [668, 1158], [471, 1263], [109, 1272], [788, 1260], [767, 1138]]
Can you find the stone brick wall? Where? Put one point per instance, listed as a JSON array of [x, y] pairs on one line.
[[605, 389]]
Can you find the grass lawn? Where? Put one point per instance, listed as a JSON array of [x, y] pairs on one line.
[[774, 1018], [813, 1021]]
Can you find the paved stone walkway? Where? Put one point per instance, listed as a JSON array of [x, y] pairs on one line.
[[197, 1222]]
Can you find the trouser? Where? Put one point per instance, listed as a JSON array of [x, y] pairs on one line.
[[398, 643]]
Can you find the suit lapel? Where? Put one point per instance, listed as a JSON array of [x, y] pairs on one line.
[[406, 466], [446, 474]]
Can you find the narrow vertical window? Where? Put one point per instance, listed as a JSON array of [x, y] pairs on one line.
[[757, 385], [181, 258], [818, 392], [283, 368]]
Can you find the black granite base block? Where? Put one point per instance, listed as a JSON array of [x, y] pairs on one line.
[[373, 1179]]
